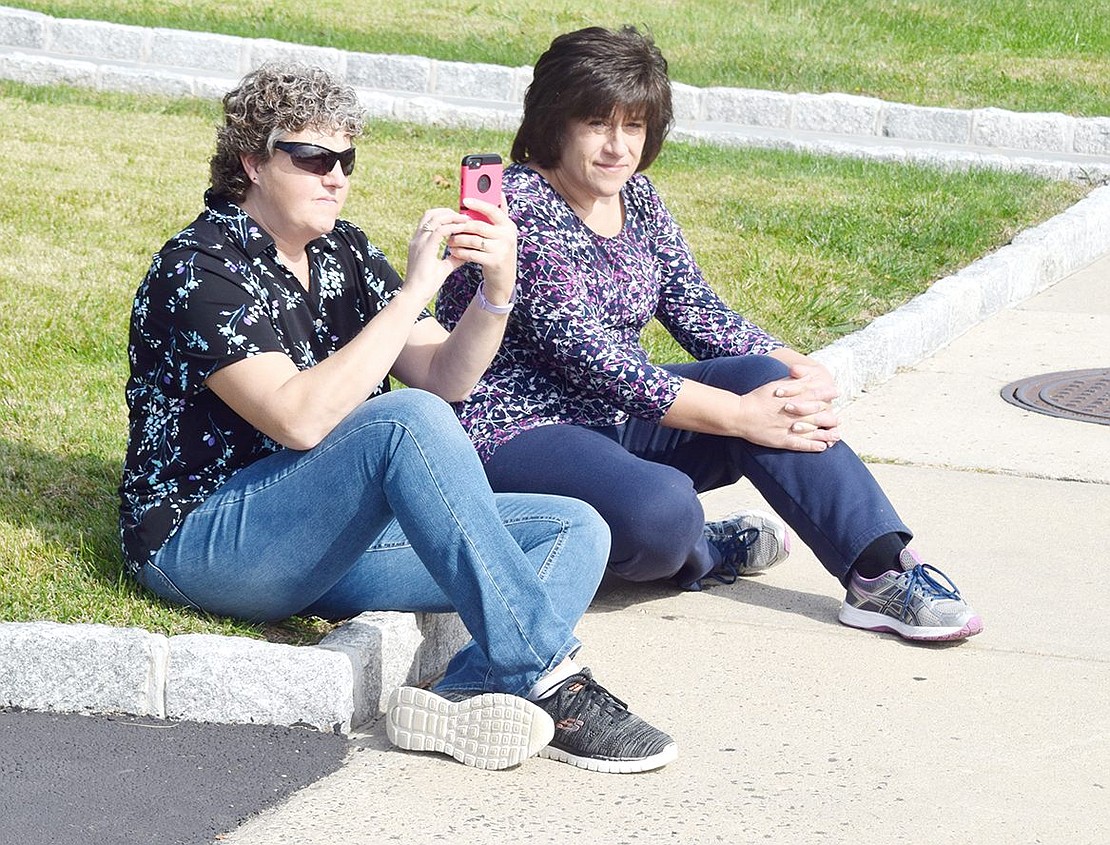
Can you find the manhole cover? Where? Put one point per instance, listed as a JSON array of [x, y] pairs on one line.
[[1075, 395]]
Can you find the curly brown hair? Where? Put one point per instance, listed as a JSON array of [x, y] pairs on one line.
[[271, 103], [590, 73]]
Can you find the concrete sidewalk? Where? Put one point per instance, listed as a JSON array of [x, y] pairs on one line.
[[793, 728]]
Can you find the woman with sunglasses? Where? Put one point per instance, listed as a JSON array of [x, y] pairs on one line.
[[270, 471]]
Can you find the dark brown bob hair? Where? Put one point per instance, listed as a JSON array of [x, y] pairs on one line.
[[592, 73]]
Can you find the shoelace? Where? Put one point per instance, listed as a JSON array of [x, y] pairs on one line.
[[920, 579], [728, 572], [593, 695]]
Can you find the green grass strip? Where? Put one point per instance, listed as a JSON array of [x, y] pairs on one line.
[[91, 184], [1049, 55]]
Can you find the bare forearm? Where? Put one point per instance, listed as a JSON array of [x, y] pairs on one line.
[[762, 416], [298, 408], [705, 409], [459, 362]]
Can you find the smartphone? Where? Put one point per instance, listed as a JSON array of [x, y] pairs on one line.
[[480, 178]]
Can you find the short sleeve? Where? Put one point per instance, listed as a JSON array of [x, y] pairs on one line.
[[200, 319]]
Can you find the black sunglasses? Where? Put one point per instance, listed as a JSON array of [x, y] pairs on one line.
[[317, 159]]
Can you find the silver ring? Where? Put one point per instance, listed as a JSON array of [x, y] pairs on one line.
[[428, 227], [482, 244]]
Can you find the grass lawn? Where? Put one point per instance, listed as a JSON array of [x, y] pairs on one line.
[[1049, 55], [91, 184]]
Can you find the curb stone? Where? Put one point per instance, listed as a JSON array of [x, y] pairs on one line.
[[39, 49], [1035, 259], [335, 686], [343, 682]]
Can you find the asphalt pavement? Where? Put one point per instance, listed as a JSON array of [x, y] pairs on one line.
[[70, 779]]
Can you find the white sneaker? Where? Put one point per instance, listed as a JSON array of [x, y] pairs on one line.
[[491, 730]]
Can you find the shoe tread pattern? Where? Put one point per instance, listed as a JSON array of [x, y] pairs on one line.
[[488, 731]]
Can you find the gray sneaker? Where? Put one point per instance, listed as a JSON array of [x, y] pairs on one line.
[[912, 603], [594, 730], [749, 541], [490, 730]]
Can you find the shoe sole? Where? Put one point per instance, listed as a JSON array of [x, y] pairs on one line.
[[869, 620], [489, 731], [622, 767], [764, 555]]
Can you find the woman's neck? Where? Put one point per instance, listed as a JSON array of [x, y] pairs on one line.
[[291, 253], [297, 264], [602, 215]]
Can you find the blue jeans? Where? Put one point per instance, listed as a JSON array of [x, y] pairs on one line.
[[644, 478], [391, 511]]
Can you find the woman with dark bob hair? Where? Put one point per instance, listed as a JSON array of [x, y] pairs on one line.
[[270, 471], [572, 405]]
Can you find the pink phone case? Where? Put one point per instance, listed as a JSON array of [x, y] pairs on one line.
[[480, 178]]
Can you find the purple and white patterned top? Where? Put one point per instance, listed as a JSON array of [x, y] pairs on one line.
[[572, 350]]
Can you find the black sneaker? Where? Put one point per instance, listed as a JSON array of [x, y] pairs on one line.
[[490, 730], [594, 730]]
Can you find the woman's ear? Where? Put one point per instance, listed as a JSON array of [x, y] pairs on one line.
[[250, 165]]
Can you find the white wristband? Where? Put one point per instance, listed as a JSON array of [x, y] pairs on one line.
[[486, 305]]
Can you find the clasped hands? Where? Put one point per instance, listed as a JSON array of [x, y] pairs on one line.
[[796, 412]]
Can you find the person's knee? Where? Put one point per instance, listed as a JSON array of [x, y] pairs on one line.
[[656, 532], [381, 430], [411, 403], [560, 522], [745, 373], [590, 530], [764, 368], [410, 409]]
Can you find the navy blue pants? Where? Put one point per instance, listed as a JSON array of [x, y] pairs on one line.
[[643, 478]]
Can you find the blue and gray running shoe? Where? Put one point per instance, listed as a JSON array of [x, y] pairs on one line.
[[749, 542], [912, 603]]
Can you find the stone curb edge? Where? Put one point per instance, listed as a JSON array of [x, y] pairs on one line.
[[342, 682], [339, 684], [40, 49], [1034, 260]]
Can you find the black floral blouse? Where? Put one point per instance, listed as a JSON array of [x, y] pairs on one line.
[[215, 294]]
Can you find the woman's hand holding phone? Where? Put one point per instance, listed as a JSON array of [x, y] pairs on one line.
[[481, 199], [491, 243], [479, 232]]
